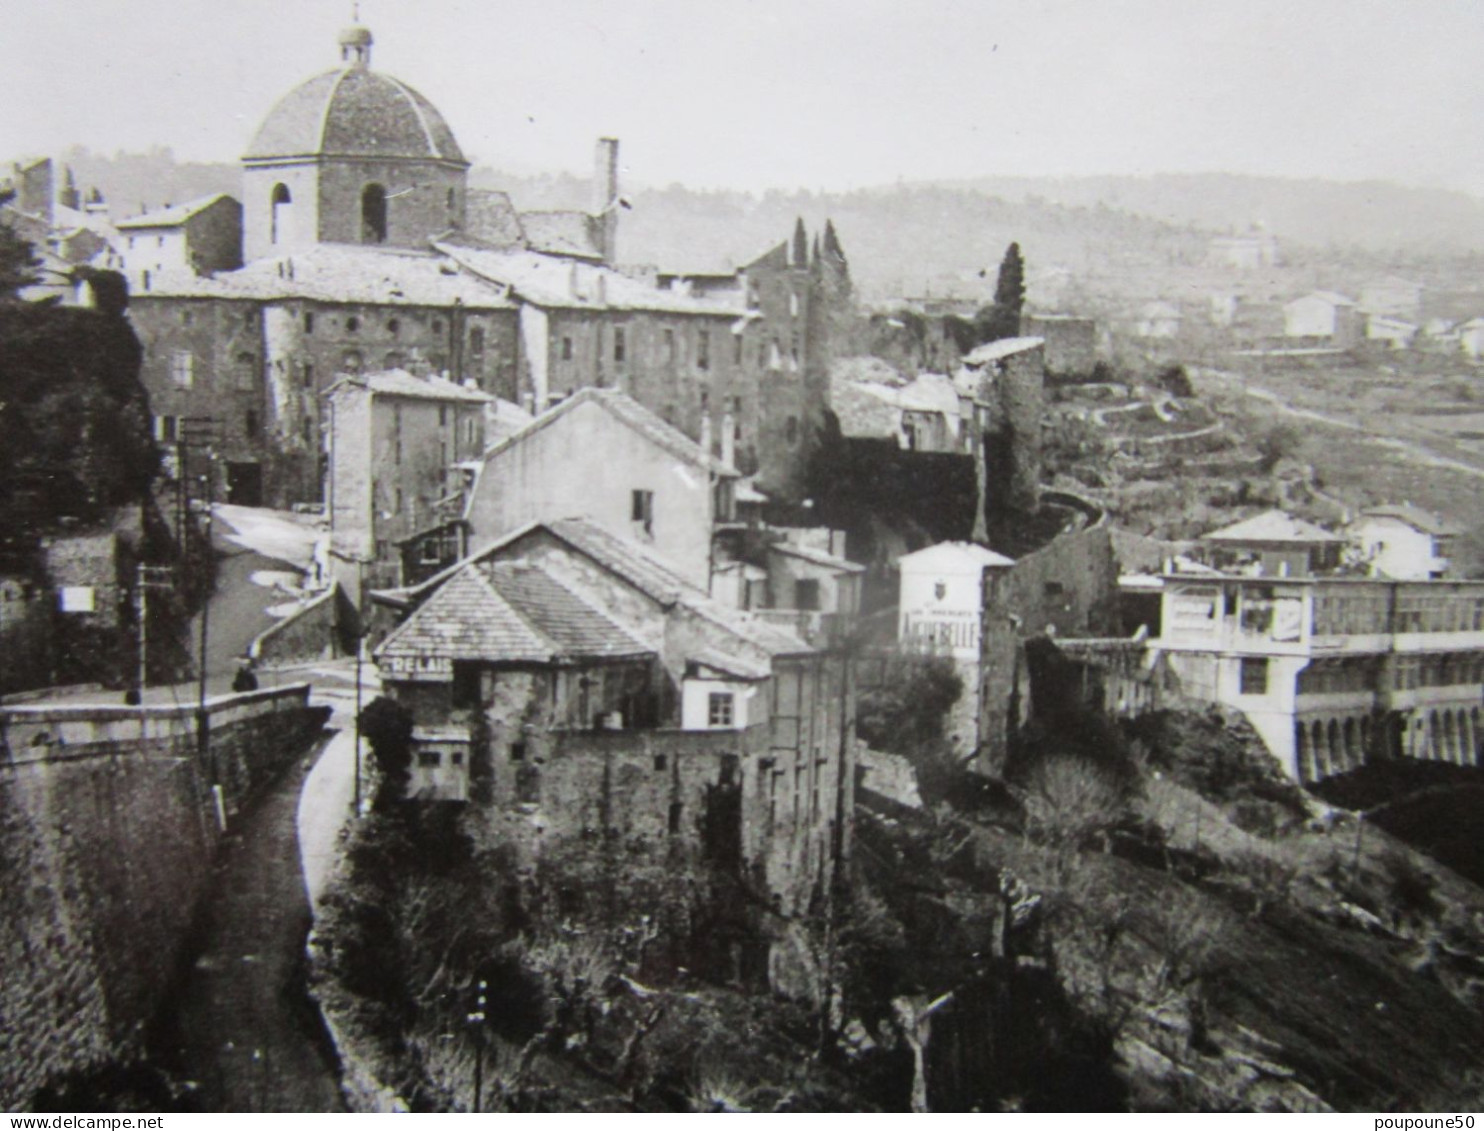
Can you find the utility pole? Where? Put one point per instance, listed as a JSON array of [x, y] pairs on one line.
[[147, 577], [476, 1020], [360, 649]]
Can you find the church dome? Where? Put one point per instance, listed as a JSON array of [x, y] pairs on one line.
[[354, 111]]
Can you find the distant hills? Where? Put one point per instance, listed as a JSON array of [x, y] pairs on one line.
[[936, 238]]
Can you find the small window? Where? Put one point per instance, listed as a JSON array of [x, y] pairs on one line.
[[443, 416], [309, 374], [437, 325], [393, 327], [309, 322], [187, 317], [249, 317], [1254, 676], [618, 344], [352, 324], [476, 340], [642, 508], [429, 758], [791, 430], [1053, 589], [719, 709], [517, 751], [250, 424], [307, 429], [806, 593], [397, 504], [661, 762], [737, 349], [703, 350], [452, 200], [183, 368], [430, 554], [669, 347], [566, 349], [456, 758]]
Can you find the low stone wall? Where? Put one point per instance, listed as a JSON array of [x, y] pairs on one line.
[[108, 827], [311, 632]]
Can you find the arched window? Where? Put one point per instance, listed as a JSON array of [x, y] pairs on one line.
[[283, 209], [373, 214]]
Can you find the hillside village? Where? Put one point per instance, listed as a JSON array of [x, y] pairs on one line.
[[749, 694]]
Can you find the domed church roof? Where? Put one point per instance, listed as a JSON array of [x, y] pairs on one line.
[[354, 111]]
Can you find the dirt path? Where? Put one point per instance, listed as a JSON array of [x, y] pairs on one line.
[[243, 1028]]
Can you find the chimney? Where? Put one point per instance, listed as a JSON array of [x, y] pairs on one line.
[[605, 197], [706, 433], [728, 440]]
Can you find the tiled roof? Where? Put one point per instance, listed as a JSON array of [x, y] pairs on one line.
[[573, 626], [400, 383], [817, 557], [1272, 526], [1005, 347], [559, 233], [490, 218], [553, 281], [511, 612], [342, 273], [175, 215], [632, 413], [730, 665], [1415, 517], [354, 112], [1333, 298], [636, 566], [958, 553]]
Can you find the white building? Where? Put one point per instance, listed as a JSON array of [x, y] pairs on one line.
[[940, 611], [1333, 672], [1405, 542], [1322, 314]]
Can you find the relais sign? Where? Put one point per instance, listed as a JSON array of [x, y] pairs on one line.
[[417, 669]]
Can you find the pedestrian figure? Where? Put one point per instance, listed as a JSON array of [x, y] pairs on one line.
[[245, 679]]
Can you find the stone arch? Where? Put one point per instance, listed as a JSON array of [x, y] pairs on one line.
[[1332, 746], [1352, 744], [373, 214], [1316, 750], [1303, 754], [281, 213], [1367, 737], [1434, 736]]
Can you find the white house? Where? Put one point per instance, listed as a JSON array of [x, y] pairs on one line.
[[1322, 314], [1404, 542], [940, 609]]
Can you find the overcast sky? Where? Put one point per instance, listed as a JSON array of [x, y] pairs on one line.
[[795, 93]]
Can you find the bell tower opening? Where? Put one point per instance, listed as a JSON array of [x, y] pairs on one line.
[[282, 212], [373, 214]]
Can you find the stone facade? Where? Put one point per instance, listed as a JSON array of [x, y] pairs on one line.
[[1069, 588], [608, 747], [260, 368], [395, 441]]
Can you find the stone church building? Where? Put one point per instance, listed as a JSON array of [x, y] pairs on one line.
[[364, 249]]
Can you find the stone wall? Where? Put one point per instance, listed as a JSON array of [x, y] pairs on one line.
[[312, 632], [1069, 588], [108, 825]]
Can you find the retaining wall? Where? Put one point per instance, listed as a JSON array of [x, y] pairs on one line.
[[108, 828]]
